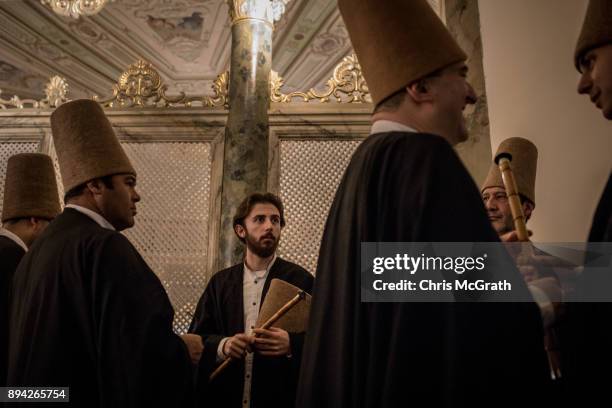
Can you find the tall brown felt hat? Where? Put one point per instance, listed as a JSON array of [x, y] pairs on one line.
[[596, 28], [86, 145], [397, 42], [524, 165], [30, 189], [279, 293]]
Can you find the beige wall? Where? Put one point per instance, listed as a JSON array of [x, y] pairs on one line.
[[531, 88]]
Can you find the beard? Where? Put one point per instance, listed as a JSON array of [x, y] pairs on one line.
[[262, 248], [505, 225]]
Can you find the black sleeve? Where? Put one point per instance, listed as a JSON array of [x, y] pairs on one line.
[[141, 360], [205, 324]]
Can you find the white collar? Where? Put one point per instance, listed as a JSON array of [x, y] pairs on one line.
[[247, 269], [93, 215], [6, 233], [384, 126]]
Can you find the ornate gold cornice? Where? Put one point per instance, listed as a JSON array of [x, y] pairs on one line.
[[76, 8], [141, 86], [56, 92], [346, 85]]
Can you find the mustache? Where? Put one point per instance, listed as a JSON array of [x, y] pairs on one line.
[[269, 235]]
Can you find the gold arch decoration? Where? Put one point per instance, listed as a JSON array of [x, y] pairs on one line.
[[346, 85], [141, 86]]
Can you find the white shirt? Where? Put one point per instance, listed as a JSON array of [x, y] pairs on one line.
[[252, 290], [14, 237], [93, 215], [384, 126]]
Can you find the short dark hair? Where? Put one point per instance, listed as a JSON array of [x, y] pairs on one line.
[[78, 190], [250, 201], [391, 103], [14, 221], [524, 199]]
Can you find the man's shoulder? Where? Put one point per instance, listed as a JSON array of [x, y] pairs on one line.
[[10, 252], [231, 272], [8, 246], [291, 267], [71, 228], [293, 273], [411, 139]]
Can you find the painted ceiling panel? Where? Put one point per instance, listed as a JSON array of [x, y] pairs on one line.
[[187, 41]]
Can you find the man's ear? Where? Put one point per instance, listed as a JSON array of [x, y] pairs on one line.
[[95, 186], [420, 91], [239, 229]]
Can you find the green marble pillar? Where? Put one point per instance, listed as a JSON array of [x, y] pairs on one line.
[[245, 156]]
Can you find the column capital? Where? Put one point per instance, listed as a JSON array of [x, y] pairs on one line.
[[268, 11]]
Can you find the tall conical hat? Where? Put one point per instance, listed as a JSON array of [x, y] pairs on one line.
[[596, 28], [30, 188], [524, 165], [397, 42], [279, 293], [86, 145]]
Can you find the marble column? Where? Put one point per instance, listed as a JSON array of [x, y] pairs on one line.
[[463, 21], [245, 156]]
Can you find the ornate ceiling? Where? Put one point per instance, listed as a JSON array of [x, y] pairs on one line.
[[187, 41]]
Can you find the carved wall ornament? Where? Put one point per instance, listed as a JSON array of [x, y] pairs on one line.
[[56, 92], [76, 8], [142, 86], [346, 85]]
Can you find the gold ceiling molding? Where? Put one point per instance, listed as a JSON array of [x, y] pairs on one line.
[[76, 8], [346, 85], [141, 86], [56, 92]]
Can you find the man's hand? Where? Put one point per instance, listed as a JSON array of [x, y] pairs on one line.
[[194, 345], [272, 342], [237, 346], [512, 236]]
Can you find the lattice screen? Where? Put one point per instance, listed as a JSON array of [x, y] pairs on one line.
[[171, 231], [8, 149], [310, 172]]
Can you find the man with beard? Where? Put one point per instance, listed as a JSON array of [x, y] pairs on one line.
[[265, 374]]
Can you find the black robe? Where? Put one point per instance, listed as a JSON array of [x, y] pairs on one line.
[[411, 187], [88, 313], [601, 228], [219, 314], [10, 255], [589, 344]]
